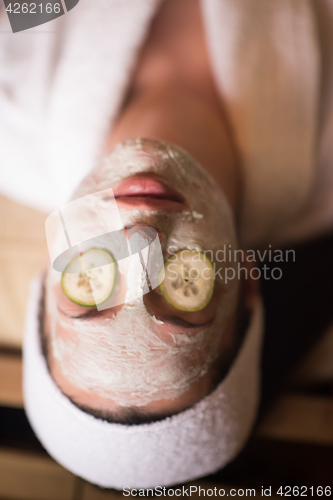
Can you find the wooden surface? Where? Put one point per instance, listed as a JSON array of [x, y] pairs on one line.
[[22, 255], [28, 476], [317, 366], [11, 380], [303, 418], [294, 438]]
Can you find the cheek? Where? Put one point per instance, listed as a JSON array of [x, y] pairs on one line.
[[66, 335], [196, 356]]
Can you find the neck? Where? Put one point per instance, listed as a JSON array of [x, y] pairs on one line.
[[179, 115]]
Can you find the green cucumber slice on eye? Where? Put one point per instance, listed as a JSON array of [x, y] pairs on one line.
[[189, 280], [100, 277]]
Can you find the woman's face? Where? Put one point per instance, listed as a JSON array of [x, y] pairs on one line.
[[146, 353]]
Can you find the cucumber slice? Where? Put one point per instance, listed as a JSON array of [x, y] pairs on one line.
[[189, 280], [99, 271]]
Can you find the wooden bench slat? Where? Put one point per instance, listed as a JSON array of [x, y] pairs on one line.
[[27, 476], [11, 381], [294, 417]]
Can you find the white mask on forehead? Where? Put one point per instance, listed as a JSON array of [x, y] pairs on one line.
[[131, 357], [193, 443], [128, 360]]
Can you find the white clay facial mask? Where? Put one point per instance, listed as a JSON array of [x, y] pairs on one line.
[[129, 353]]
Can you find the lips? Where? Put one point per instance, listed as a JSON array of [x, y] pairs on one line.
[[147, 192]]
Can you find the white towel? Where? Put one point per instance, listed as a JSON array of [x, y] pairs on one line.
[[60, 93], [193, 443]]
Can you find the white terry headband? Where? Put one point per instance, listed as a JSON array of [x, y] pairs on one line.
[[191, 444]]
